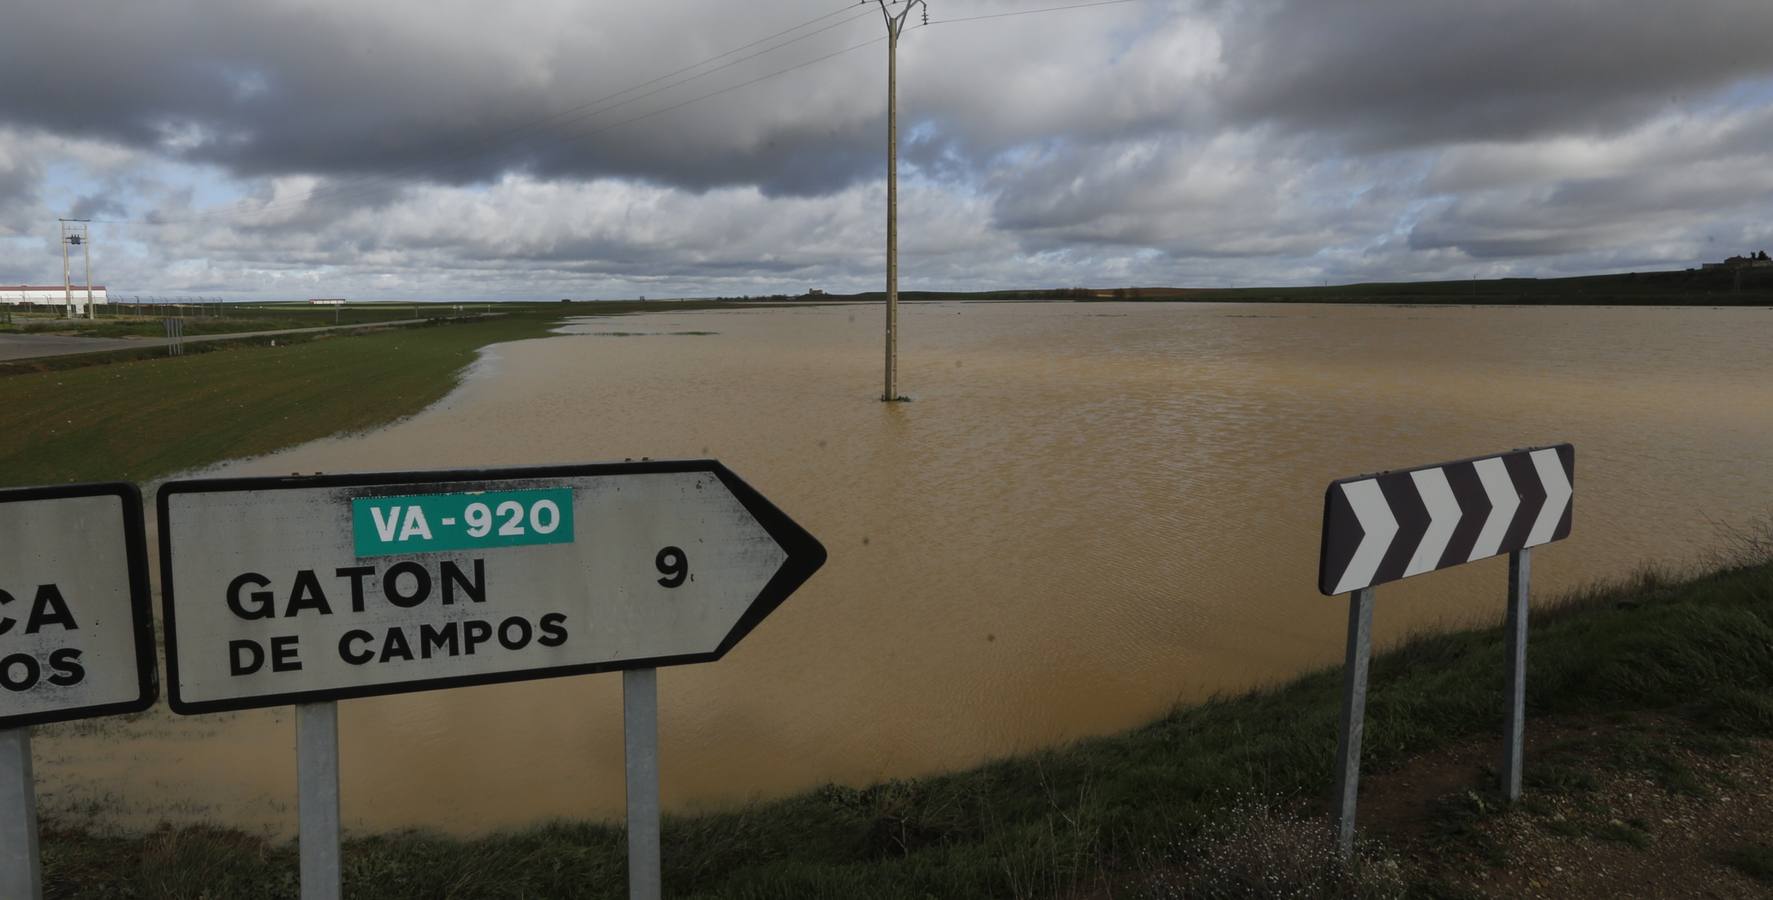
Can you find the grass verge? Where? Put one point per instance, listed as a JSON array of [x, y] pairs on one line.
[[141, 419], [1753, 860], [132, 321], [138, 415], [1116, 816]]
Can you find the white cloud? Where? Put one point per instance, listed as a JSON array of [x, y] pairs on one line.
[[440, 149]]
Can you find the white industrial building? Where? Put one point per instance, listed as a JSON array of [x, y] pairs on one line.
[[50, 295]]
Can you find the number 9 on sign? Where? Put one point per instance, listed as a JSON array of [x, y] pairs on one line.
[[673, 565]]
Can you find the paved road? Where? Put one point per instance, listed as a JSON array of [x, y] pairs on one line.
[[33, 346], [30, 346]]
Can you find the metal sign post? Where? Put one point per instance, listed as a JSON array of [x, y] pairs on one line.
[[317, 799], [1381, 528], [640, 745], [1354, 712], [21, 872], [1515, 633], [307, 591], [76, 637]]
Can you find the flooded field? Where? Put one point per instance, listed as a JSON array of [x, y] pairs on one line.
[[1089, 513]]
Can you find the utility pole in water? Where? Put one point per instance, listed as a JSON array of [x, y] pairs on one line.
[[895, 24]]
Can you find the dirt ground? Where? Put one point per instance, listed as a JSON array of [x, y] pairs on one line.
[[1638, 806]]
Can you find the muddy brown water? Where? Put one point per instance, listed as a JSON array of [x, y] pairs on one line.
[[1089, 513]]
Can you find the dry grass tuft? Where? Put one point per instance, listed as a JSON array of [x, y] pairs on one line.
[[1264, 850]]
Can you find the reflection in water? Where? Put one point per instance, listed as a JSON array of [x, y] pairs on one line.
[[1089, 513]]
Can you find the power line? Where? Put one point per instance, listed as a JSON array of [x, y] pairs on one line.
[[1030, 12], [726, 90], [582, 135], [574, 114]]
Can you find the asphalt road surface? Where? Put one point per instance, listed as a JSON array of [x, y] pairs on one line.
[[33, 346], [29, 346]]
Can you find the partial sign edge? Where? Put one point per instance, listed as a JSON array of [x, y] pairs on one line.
[[141, 601]]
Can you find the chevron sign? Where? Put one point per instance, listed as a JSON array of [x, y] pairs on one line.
[[1380, 528]]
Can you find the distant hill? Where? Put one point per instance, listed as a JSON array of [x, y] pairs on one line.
[[1689, 287]]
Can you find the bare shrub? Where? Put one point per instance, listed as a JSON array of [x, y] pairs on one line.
[[1261, 849], [1744, 546]]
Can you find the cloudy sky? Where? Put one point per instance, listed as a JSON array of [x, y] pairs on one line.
[[582, 148]]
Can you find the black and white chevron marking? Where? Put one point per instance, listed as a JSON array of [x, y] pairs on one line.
[[1380, 528]]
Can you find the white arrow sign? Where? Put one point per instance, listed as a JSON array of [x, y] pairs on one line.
[[1443, 515], [1379, 526], [1499, 491], [1557, 496], [286, 590]]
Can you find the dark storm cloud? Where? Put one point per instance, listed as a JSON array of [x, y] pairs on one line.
[[455, 147], [435, 92], [93, 206], [1599, 215], [456, 93], [18, 182], [1430, 71]]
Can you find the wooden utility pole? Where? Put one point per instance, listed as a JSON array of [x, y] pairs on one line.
[[895, 26], [73, 233], [67, 285], [86, 244]]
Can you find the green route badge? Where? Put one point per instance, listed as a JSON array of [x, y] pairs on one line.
[[425, 523]]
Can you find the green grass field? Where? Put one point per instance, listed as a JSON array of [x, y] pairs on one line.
[[145, 418], [132, 320], [142, 415]]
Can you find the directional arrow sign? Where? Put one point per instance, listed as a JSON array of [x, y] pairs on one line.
[[76, 627], [1380, 528], [294, 590]]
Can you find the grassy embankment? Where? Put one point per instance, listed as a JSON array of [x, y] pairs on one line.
[[145, 418], [144, 320], [138, 415], [1125, 816]]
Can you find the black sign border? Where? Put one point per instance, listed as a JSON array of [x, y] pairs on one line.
[[1323, 550], [141, 601], [805, 555]]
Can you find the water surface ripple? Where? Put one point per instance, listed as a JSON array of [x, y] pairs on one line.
[[1089, 513]]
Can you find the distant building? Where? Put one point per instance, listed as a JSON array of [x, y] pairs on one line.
[[50, 294], [327, 301], [1751, 261], [815, 292]]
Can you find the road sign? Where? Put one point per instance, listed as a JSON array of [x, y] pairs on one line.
[[304, 589], [467, 520], [76, 628], [1380, 528], [76, 636]]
